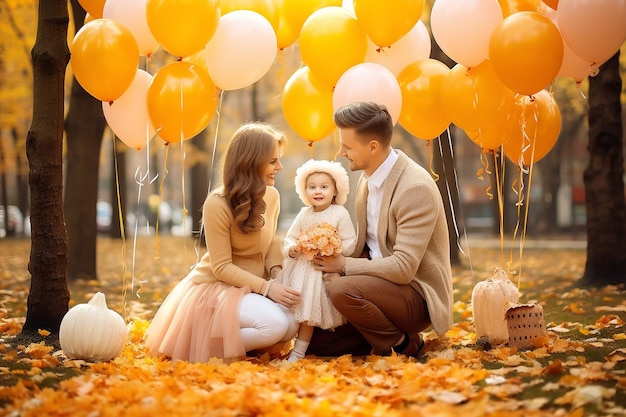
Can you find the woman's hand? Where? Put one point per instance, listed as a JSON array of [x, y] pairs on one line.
[[284, 295]]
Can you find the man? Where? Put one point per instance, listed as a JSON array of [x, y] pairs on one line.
[[399, 280]]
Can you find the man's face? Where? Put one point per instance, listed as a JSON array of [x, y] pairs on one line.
[[354, 150]]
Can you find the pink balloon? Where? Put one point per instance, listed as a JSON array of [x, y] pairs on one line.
[[127, 116], [573, 65], [369, 82], [463, 28], [242, 49], [594, 29], [132, 14], [412, 47]]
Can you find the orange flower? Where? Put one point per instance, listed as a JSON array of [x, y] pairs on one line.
[[319, 239]]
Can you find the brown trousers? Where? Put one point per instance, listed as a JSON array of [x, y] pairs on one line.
[[378, 311]]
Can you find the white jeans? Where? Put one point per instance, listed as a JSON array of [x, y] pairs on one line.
[[264, 322]]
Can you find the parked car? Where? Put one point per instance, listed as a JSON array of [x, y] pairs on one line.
[[15, 226]]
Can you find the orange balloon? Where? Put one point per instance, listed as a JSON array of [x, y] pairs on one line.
[[104, 58], [553, 4], [488, 137], [332, 41], [513, 6], [182, 27], [307, 106], [386, 24], [266, 8], [422, 109], [526, 51], [181, 101], [93, 7], [471, 96], [534, 128], [296, 12]]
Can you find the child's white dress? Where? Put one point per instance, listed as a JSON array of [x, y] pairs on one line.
[[315, 307]]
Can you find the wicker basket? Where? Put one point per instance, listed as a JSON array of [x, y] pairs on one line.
[[526, 326]]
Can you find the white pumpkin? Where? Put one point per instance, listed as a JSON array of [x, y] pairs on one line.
[[490, 300], [92, 331]]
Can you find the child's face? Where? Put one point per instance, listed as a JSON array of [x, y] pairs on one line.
[[321, 190]]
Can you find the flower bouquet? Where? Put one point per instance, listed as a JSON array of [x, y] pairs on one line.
[[319, 239]]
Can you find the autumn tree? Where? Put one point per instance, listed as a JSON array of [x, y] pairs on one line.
[[603, 179], [49, 295], [84, 127]]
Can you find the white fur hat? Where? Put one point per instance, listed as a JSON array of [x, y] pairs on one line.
[[334, 169]]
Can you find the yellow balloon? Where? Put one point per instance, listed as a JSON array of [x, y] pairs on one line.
[[471, 96], [104, 58], [422, 111], [387, 22], [266, 8], [285, 35], [534, 128], [182, 27], [332, 41], [526, 51], [93, 7], [308, 106], [181, 101], [296, 12]]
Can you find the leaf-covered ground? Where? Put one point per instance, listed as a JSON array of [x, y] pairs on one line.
[[581, 371]]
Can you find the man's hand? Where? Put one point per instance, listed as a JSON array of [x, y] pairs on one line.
[[334, 263]]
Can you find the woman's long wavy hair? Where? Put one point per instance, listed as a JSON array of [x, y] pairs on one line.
[[249, 151]]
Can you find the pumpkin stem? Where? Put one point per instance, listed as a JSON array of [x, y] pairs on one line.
[[98, 300]]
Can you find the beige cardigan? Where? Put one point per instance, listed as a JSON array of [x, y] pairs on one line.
[[234, 257], [413, 238]]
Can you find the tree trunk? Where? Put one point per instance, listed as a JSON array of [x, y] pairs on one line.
[[49, 296], [444, 165], [84, 127], [200, 181], [603, 179]]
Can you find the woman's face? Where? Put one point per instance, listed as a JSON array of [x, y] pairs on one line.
[[273, 166]]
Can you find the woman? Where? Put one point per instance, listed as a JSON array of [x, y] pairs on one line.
[[229, 304]]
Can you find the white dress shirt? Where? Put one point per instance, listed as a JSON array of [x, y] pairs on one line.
[[374, 196]]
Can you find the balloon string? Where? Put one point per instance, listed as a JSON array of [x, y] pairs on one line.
[[485, 170], [183, 156], [281, 71], [431, 161], [337, 143], [122, 230], [157, 244], [499, 170], [451, 201], [530, 178], [214, 151], [139, 180]]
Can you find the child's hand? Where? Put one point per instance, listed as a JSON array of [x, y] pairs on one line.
[[293, 251]]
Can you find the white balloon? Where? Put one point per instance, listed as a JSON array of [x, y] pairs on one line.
[[369, 82], [412, 47], [128, 115], [463, 28], [242, 49], [132, 14]]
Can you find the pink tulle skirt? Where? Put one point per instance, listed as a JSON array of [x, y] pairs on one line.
[[198, 321]]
